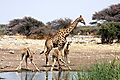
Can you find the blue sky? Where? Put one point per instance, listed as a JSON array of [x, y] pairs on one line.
[[48, 10]]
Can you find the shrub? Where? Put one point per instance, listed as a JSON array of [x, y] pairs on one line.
[[109, 31], [101, 71], [2, 29]]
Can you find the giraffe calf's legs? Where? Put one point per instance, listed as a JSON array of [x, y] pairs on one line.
[[35, 66], [25, 55], [19, 66], [57, 56], [66, 52], [65, 64], [54, 61]]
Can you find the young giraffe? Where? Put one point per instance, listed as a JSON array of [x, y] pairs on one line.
[[57, 56], [66, 52], [59, 39], [26, 53]]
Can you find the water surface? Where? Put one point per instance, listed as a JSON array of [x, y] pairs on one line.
[[28, 75]]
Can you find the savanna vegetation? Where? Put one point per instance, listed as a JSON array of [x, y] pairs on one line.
[[108, 30], [110, 14], [33, 28], [2, 29], [110, 26], [100, 71]]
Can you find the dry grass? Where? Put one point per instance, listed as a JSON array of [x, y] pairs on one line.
[[82, 55]]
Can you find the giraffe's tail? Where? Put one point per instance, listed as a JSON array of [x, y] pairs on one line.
[[42, 51]]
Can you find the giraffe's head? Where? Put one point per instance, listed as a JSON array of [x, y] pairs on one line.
[[80, 19]]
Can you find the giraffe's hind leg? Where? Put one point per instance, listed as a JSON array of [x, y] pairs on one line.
[[49, 46], [26, 65], [47, 63], [47, 55]]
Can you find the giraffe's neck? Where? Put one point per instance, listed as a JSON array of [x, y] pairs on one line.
[[70, 28]]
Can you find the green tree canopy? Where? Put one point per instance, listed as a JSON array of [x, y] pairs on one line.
[[110, 31]]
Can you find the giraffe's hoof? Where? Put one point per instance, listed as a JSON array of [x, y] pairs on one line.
[[51, 69], [70, 68], [38, 70], [68, 62], [17, 68], [60, 69], [47, 64]]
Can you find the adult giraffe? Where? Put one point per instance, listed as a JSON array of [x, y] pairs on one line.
[[59, 39]]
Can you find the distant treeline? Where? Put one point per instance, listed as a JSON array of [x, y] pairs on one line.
[[33, 28]]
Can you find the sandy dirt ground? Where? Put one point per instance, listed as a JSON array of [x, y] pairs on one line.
[[82, 55]]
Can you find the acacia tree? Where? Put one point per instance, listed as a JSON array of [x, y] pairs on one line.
[[24, 26], [52, 27], [59, 23], [31, 27], [110, 29], [111, 13]]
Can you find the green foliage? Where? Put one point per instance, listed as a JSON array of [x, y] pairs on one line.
[[84, 30], [103, 71], [109, 31], [2, 29]]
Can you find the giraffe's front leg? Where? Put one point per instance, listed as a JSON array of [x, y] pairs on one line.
[[60, 68], [19, 66]]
